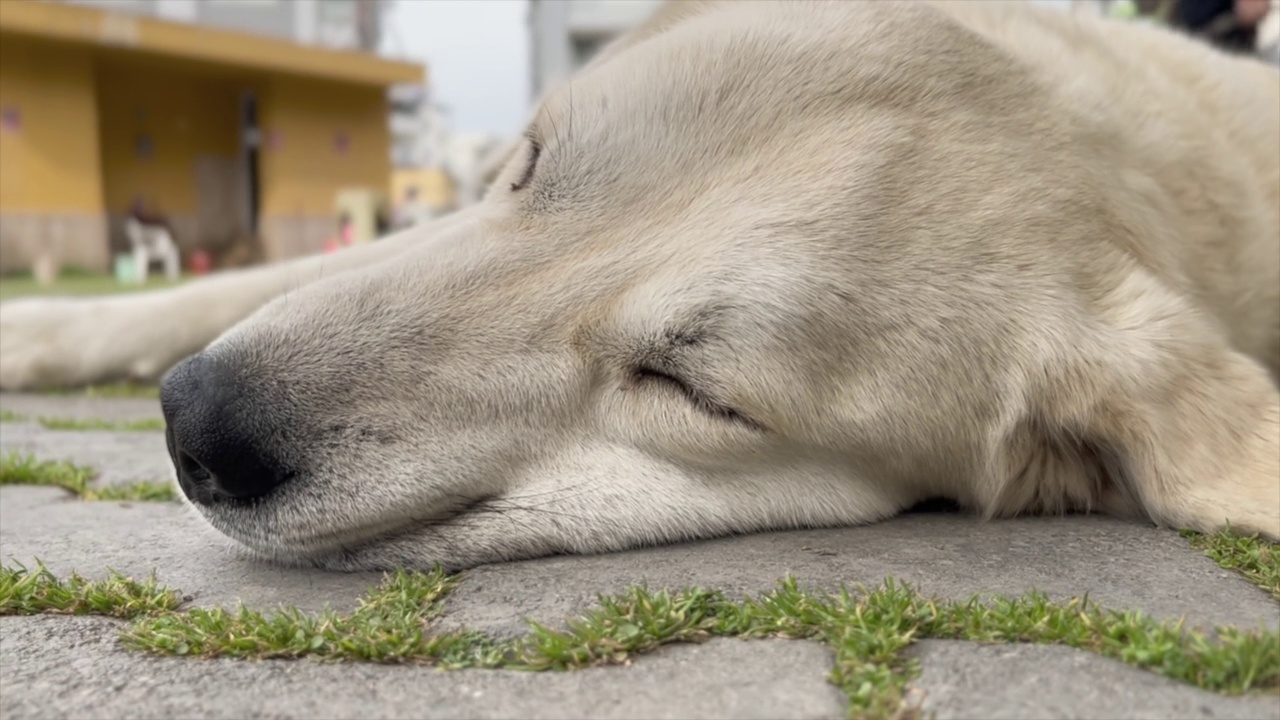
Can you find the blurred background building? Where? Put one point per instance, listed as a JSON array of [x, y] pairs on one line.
[[239, 123], [263, 129], [564, 34], [433, 161]]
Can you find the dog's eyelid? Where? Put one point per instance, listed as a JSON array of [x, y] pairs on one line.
[[655, 371], [535, 151], [702, 400]]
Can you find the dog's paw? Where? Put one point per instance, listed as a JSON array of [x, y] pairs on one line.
[[65, 342]]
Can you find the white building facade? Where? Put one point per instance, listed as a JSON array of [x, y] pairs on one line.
[[564, 34], [337, 24]]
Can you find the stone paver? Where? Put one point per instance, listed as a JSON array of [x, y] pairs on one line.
[[136, 538], [120, 457], [71, 667], [80, 407], [1030, 682], [1121, 565]]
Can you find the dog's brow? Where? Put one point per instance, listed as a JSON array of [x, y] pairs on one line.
[[534, 138], [684, 336]]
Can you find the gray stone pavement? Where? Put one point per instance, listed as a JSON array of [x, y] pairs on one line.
[[69, 667], [120, 457], [81, 407], [72, 667]]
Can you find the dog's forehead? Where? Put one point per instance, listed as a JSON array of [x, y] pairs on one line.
[[753, 115], [734, 57], [706, 295]]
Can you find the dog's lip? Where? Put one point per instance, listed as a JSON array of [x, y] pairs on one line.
[[333, 542]]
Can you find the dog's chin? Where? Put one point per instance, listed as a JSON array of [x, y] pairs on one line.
[[261, 531], [387, 553], [360, 553]]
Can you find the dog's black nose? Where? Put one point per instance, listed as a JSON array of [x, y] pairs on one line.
[[219, 444]]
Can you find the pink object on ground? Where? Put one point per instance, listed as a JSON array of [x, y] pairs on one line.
[[201, 262]]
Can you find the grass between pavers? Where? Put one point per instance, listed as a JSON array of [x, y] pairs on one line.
[[19, 469], [23, 592], [54, 423], [868, 630], [1253, 557]]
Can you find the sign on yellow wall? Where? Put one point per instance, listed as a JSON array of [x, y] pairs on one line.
[[435, 187]]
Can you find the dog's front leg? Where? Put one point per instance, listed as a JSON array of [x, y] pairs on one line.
[[1189, 426]]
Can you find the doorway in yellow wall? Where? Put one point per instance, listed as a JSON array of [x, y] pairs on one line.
[[251, 144], [174, 138]]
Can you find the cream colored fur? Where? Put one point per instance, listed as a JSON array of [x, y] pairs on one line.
[[1025, 259]]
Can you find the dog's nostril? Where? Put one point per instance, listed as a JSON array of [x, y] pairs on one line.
[[196, 481], [192, 468], [218, 453]]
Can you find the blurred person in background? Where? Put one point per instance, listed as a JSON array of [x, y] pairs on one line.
[[382, 224], [345, 236], [148, 217], [1231, 25], [1235, 26]]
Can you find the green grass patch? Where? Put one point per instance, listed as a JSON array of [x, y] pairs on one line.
[[23, 592], [77, 283], [390, 626], [1251, 556], [53, 423], [868, 630], [140, 491], [144, 425], [18, 469]]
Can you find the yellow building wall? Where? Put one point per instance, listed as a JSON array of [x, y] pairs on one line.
[[318, 138], [73, 167], [302, 165], [435, 187], [182, 116], [50, 163], [50, 179]]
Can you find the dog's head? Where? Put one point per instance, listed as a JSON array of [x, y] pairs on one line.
[[764, 267]]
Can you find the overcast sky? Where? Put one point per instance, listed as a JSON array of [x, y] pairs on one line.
[[477, 55]]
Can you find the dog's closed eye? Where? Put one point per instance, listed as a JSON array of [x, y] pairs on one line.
[[700, 400]]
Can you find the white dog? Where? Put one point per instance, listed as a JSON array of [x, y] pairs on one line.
[[760, 265]]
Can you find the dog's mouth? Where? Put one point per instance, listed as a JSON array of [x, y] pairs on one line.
[[272, 528]]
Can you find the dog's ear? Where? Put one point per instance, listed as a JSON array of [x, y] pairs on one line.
[[1152, 410]]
